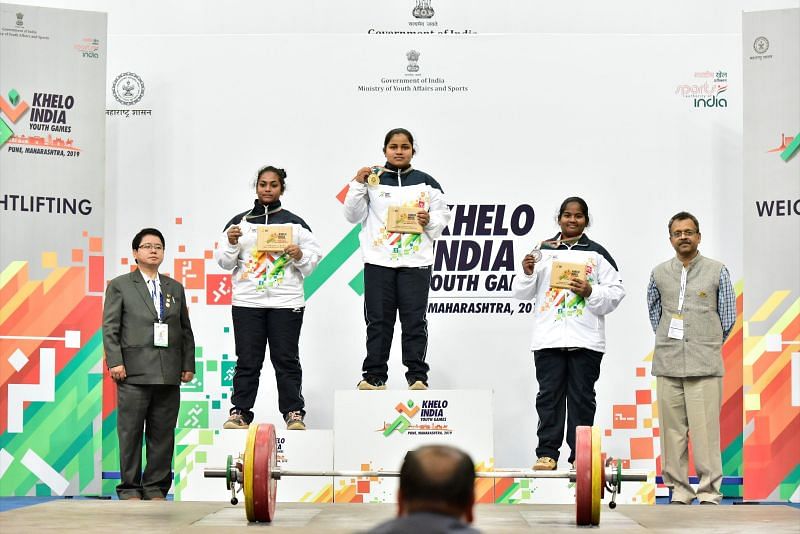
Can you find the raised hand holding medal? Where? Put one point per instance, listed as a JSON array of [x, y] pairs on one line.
[[530, 259]]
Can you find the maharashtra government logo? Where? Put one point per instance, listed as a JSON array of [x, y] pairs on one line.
[[19, 19], [423, 9], [761, 45], [412, 56], [128, 88]]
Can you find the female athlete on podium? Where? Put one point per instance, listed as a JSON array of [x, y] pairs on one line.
[[575, 283], [402, 212], [271, 250]]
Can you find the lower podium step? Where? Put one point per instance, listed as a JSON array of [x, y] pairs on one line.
[[301, 450], [373, 430]]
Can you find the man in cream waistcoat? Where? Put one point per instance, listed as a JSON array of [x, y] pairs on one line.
[[692, 309]]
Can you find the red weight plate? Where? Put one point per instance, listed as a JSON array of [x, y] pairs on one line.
[[263, 464], [583, 478], [265, 488], [272, 484]]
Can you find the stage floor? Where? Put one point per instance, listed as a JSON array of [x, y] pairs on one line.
[[90, 516]]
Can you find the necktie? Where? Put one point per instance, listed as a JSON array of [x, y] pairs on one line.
[[154, 294]]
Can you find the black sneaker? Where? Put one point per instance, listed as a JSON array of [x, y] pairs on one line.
[[371, 383], [418, 385]]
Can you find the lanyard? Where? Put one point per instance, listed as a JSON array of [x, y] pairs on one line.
[[682, 294]]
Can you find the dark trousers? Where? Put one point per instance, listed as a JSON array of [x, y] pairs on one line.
[[388, 291], [253, 329], [566, 388], [151, 410]]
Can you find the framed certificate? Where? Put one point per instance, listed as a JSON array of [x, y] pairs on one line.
[[563, 272], [273, 237], [403, 220]]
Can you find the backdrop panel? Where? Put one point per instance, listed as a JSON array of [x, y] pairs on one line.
[[510, 125], [52, 157], [638, 114], [771, 55]]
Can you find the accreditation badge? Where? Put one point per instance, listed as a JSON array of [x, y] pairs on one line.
[[160, 335], [676, 327]]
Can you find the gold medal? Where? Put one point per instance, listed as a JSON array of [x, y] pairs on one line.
[[375, 176]]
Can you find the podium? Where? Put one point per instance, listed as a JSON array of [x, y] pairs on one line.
[[373, 430]]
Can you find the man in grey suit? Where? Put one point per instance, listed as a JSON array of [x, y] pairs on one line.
[[437, 493], [149, 349]]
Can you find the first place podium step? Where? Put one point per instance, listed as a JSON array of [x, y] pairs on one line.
[[373, 430]]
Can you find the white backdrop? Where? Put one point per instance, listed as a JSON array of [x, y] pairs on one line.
[[562, 100]]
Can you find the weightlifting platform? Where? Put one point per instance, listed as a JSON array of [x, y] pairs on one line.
[[93, 516]]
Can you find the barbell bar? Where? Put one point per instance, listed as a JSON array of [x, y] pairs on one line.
[[257, 473], [277, 474]]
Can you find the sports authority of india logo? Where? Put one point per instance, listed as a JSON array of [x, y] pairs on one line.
[[432, 418], [20, 16], [423, 9], [128, 88], [412, 56], [761, 45], [705, 89]]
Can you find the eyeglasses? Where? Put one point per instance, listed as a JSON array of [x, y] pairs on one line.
[[678, 233], [148, 246]]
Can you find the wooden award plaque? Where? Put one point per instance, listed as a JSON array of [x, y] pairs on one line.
[[403, 220], [274, 237], [563, 272]]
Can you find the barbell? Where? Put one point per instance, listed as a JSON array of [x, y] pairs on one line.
[[257, 473]]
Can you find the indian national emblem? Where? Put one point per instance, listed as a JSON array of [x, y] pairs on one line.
[[19, 19], [128, 88], [761, 45], [423, 9], [412, 56]]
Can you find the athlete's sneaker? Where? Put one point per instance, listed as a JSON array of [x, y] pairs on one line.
[[294, 421], [545, 463], [370, 384], [418, 385], [236, 420]]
